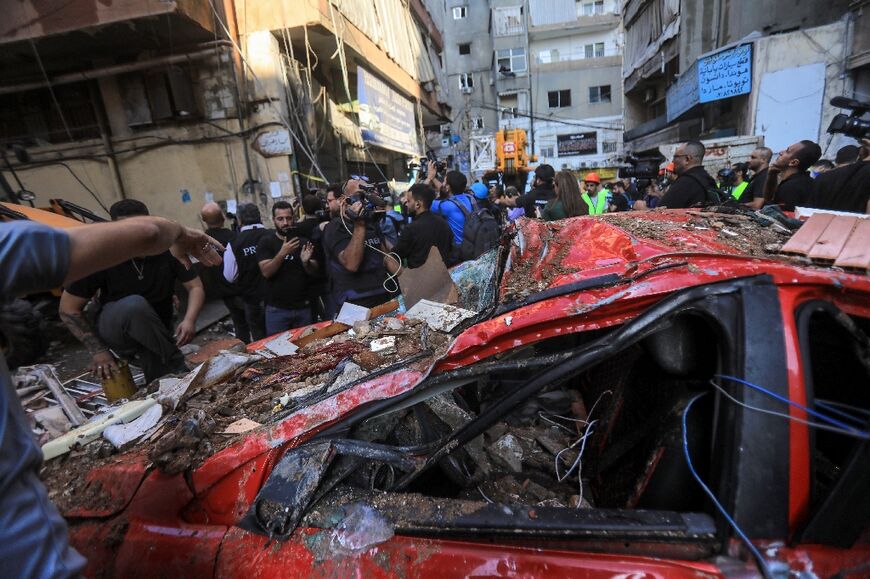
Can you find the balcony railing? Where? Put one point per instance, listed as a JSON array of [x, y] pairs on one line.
[[554, 56]]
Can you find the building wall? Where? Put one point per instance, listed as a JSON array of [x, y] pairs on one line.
[[579, 84]]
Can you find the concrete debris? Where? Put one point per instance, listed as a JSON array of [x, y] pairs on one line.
[[281, 345], [384, 346], [240, 426], [393, 324], [352, 313], [455, 417], [508, 452], [188, 349], [53, 420], [351, 373], [441, 317]]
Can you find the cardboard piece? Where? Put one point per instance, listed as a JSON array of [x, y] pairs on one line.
[[281, 345], [431, 281], [352, 313]]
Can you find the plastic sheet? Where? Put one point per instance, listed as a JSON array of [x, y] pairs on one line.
[[361, 529]]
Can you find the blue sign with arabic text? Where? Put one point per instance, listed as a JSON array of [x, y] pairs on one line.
[[725, 74], [386, 118]]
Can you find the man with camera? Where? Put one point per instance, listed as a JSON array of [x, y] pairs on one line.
[[354, 248], [286, 260], [541, 194], [241, 267], [451, 207]]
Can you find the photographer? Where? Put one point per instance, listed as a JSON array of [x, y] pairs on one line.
[[354, 249], [449, 206], [845, 188], [426, 231], [541, 194], [287, 263]]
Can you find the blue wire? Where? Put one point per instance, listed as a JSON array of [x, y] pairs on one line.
[[835, 410], [810, 411], [761, 562]]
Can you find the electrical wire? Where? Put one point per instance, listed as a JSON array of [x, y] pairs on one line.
[[392, 278], [712, 496], [810, 411], [550, 118], [787, 416]]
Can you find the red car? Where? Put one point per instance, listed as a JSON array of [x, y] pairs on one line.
[[645, 396]]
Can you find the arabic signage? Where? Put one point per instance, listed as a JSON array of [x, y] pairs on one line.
[[725, 74], [720, 76], [683, 94], [577, 144], [386, 118], [273, 143]]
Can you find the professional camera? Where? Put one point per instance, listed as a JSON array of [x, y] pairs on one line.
[[440, 166], [371, 195], [851, 125], [646, 168]]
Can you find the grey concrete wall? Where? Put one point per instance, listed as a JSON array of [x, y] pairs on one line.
[[579, 83]]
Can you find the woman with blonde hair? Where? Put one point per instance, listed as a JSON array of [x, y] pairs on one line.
[[567, 202]]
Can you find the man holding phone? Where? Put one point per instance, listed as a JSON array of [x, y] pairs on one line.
[[287, 261]]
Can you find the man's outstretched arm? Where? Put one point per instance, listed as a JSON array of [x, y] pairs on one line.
[[99, 246]]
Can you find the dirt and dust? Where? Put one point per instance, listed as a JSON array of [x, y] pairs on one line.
[[739, 232]]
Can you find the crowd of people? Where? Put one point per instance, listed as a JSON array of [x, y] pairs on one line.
[[351, 244]]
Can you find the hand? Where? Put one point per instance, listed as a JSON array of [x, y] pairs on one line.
[[184, 333], [290, 246], [307, 252], [357, 209], [431, 171], [191, 242], [103, 365]]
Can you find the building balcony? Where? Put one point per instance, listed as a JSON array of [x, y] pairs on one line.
[[579, 25], [563, 62]]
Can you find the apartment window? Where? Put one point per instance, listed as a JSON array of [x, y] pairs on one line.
[[594, 50], [590, 8], [511, 60], [559, 98], [547, 151], [608, 147], [599, 94], [466, 82], [460, 12], [476, 123], [465, 48], [548, 56]]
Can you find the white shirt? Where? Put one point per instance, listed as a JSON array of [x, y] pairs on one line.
[[231, 268]]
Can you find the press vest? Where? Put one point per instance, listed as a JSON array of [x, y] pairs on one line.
[[600, 203], [250, 280], [738, 191]]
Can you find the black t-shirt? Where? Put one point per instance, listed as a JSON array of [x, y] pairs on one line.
[[843, 189], [368, 280], [689, 189], [794, 191], [157, 285], [537, 197], [216, 285], [417, 238], [755, 187], [288, 288]]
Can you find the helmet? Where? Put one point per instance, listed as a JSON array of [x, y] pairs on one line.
[[670, 167], [592, 178]]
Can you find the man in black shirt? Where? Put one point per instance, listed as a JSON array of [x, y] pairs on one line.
[[242, 267], [216, 285], [845, 188], [753, 195], [354, 251], [542, 192], [426, 231], [693, 182], [286, 262], [788, 183], [136, 315]]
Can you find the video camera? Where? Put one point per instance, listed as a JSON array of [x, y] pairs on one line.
[[645, 169], [440, 166], [851, 125], [371, 195]]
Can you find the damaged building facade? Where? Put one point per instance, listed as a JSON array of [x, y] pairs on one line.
[[722, 70], [179, 103]]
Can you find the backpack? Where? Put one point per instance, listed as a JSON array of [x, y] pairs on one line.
[[480, 233], [711, 194]]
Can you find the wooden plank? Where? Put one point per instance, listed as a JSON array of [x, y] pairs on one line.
[[336, 328], [802, 241], [856, 252], [832, 241]]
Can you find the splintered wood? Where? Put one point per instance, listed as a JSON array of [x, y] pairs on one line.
[[839, 240]]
